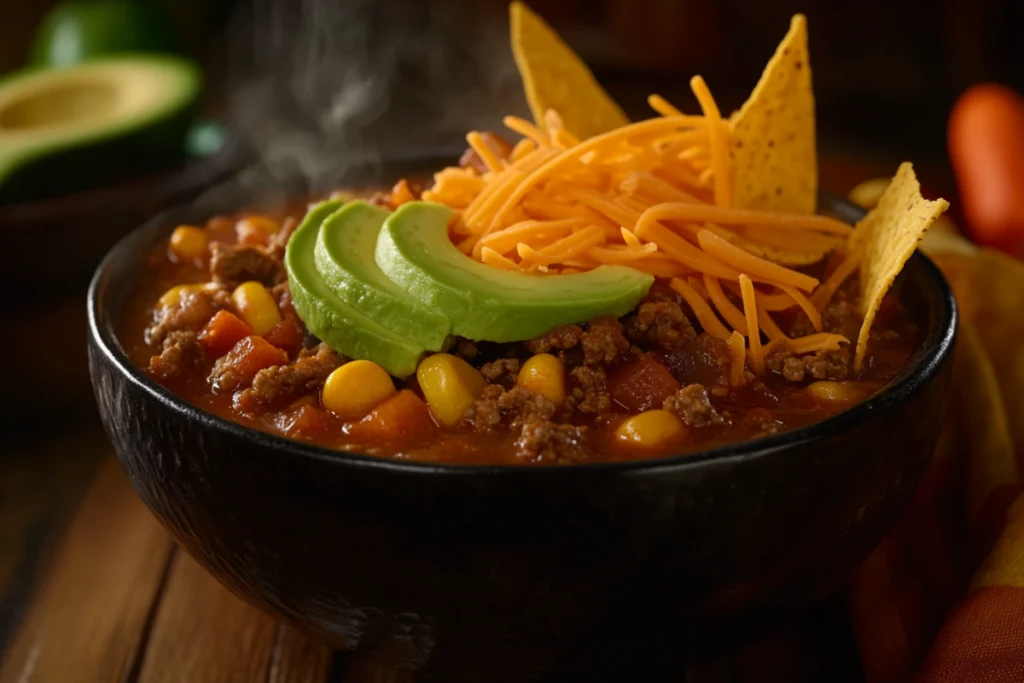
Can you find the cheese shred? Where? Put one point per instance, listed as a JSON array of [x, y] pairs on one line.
[[657, 196]]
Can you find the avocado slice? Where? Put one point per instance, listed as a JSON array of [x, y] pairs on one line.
[[487, 304], [342, 327], [68, 129], [344, 257]]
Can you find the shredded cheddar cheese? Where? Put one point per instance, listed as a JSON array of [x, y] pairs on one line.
[[658, 196]]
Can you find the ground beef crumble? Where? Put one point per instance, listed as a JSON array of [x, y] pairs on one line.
[[279, 384], [560, 339], [589, 395], [547, 442], [659, 324], [278, 242], [498, 406], [181, 354], [193, 309], [821, 365], [233, 265], [692, 405], [502, 371]]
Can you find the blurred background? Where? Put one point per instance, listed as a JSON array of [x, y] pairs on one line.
[[886, 71]]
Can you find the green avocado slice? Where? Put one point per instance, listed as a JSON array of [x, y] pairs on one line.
[[342, 327], [487, 304], [76, 127], [344, 257]]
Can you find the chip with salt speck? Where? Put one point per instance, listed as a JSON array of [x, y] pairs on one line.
[[886, 238], [772, 138]]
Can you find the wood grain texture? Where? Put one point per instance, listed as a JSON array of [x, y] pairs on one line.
[[205, 634], [88, 619], [298, 659]]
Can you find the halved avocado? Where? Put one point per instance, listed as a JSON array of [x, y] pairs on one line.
[[487, 304], [73, 128], [344, 257], [335, 322]]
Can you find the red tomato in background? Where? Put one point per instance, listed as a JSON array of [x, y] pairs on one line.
[[986, 146]]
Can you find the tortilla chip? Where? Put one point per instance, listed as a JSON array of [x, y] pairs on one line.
[[772, 138], [555, 77], [943, 237], [887, 237]]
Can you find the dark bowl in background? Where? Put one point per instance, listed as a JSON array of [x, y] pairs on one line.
[[53, 248], [618, 571]]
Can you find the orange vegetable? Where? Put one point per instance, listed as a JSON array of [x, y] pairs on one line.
[[642, 385], [986, 146], [307, 421], [402, 419], [248, 357], [286, 335], [224, 330], [254, 231]]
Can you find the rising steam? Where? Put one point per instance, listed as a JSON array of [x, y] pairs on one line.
[[323, 86]]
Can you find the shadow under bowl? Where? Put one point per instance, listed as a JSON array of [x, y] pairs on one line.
[[617, 571]]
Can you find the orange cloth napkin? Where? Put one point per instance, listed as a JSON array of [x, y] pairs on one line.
[[942, 598]]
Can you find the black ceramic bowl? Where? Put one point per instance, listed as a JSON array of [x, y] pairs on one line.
[[589, 572]]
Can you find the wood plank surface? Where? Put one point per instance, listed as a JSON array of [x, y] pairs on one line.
[[204, 634], [88, 620], [298, 659]]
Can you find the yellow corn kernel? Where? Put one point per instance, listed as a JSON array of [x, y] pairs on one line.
[[173, 295], [188, 242], [840, 392], [450, 385], [257, 307], [544, 375], [651, 429], [356, 388]]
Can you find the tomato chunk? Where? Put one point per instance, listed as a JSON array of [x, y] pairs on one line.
[[307, 421], [243, 361], [286, 335], [643, 384], [222, 333], [403, 418]]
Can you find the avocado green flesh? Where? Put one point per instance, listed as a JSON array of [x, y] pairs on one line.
[[335, 322], [68, 129], [487, 304], [344, 257]]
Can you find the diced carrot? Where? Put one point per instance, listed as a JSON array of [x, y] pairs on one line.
[[307, 421], [254, 231], [286, 335], [642, 385], [249, 356], [402, 418], [224, 330]]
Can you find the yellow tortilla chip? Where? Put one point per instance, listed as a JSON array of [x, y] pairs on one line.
[[887, 237], [772, 138], [555, 77]]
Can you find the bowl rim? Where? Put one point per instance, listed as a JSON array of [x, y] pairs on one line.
[[920, 370]]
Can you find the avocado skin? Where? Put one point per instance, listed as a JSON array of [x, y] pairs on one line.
[[78, 30], [487, 304], [334, 322], [350, 234], [153, 146]]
